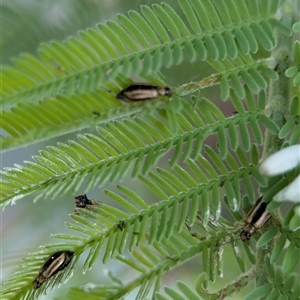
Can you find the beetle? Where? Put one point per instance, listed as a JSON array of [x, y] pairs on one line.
[[82, 201], [143, 91], [255, 219], [54, 263]]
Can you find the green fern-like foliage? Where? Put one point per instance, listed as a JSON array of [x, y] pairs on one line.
[[72, 85]]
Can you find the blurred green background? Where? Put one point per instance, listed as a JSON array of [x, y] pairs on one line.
[[25, 226]]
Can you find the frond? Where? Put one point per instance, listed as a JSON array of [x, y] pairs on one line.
[[59, 167], [66, 114], [143, 261], [185, 196], [27, 122], [184, 192], [70, 77]]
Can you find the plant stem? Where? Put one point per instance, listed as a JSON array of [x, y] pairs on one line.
[[277, 109]]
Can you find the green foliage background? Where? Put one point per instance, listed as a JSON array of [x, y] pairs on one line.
[[156, 166]]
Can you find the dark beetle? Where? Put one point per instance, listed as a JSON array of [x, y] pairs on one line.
[[55, 262], [255, 219], [143, 91]]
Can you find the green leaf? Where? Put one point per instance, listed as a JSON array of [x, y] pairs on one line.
[[187, 291], [269, 124], [172, 293], [290, 282], [245, 139], [267, 236], [259, 292], [278, 248], [289, 260], [273, 295], [286, 128], [190, 16]]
